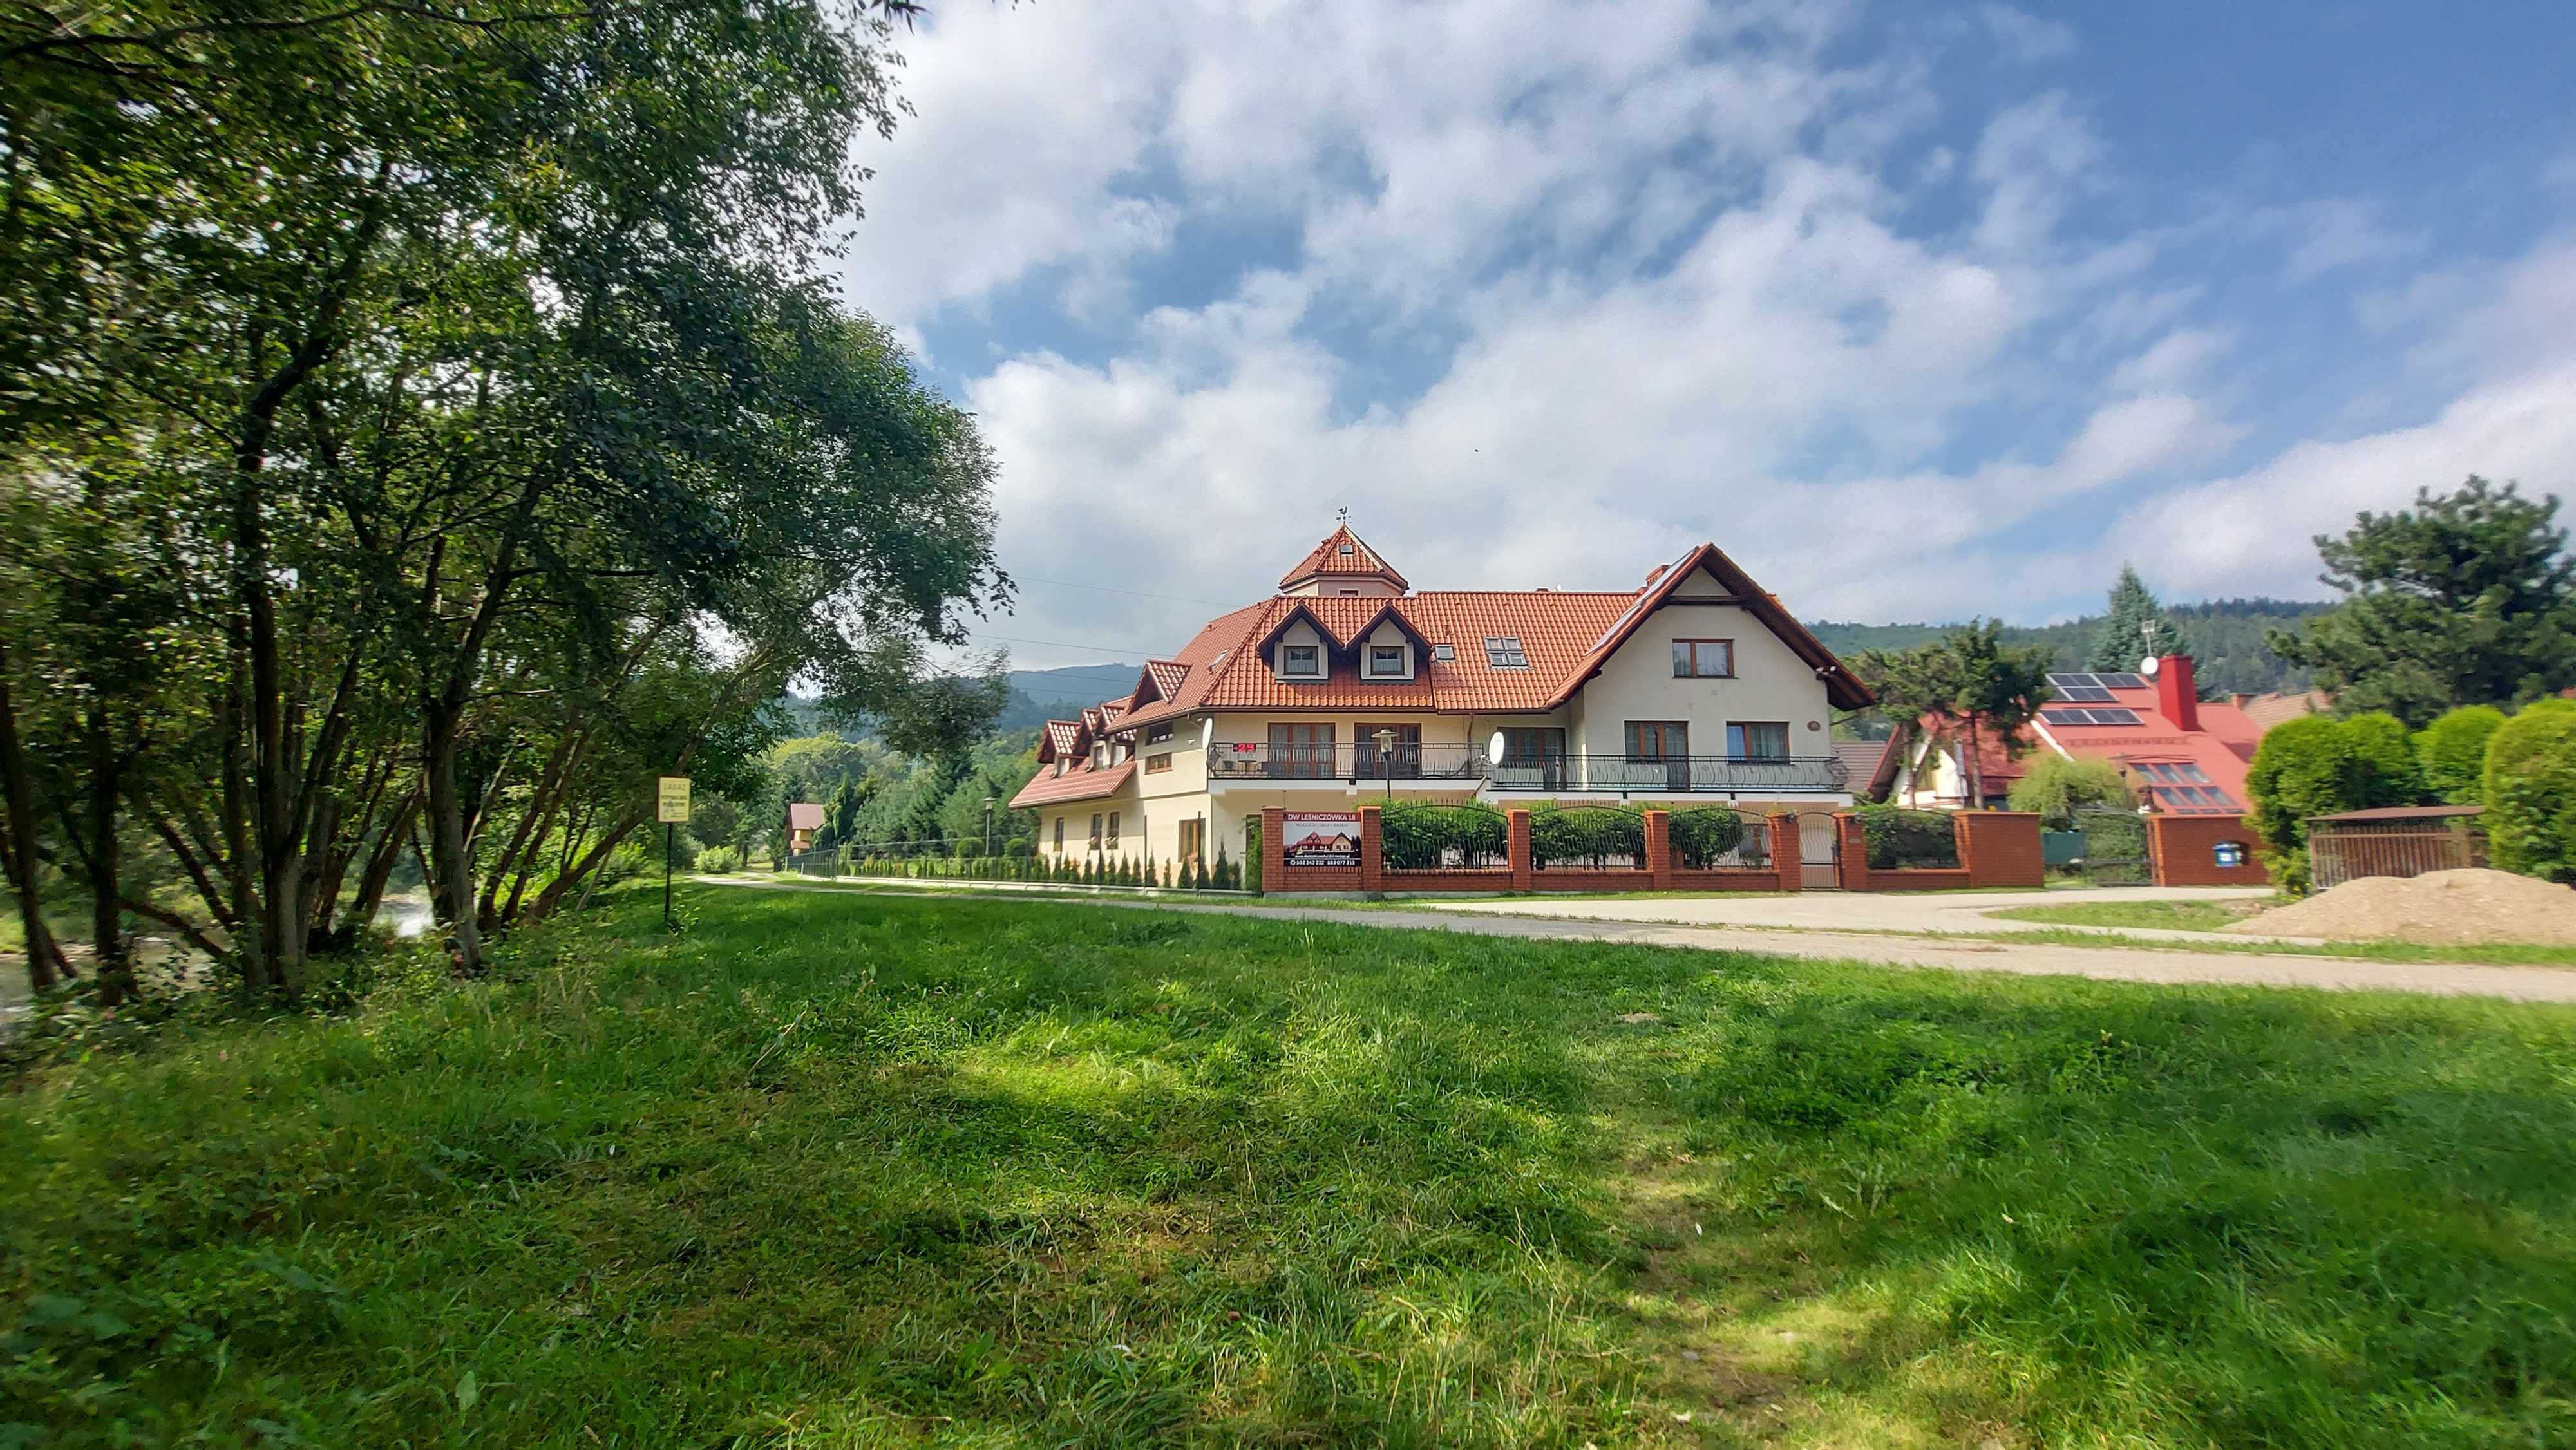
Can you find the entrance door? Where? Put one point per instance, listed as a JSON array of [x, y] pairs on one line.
[[1301, 752], [1819, 854]]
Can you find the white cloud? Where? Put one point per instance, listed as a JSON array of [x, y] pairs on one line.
[[1648, 273], [2248, 533]]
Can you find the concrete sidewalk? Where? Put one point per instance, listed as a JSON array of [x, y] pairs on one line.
[[2107, 963]]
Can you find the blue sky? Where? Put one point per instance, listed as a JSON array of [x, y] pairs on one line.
[[1919, 312]]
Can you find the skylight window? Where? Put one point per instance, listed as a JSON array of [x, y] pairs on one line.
[[1443, 652], [1504, 653]]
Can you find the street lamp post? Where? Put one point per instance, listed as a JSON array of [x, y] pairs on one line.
[[1386, 759], [988, 824]]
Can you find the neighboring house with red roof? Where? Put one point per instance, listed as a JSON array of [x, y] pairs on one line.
[[2180, 753], [1346, 685], [804, 818]]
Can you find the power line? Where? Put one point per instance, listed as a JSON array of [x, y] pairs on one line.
[[1105, 589]]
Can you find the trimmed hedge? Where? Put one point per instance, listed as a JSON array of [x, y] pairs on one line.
[[2530, 784]]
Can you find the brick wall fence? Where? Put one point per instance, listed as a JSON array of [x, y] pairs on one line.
[[2185, 850], [1996, 848]]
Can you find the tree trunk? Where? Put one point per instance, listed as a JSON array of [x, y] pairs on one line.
[[248, 940], [548, 899], [451, 868], [380, 868], [107, 915], [45, 963]]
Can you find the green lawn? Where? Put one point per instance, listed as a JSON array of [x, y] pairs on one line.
[[853, 1169]]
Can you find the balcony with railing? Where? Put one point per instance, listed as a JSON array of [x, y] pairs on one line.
[[1450, 765], [1673, 775], [1347, 763]]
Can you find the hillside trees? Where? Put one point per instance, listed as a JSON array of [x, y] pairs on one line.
[[2133, 629], [428, 425], [2468, 598]]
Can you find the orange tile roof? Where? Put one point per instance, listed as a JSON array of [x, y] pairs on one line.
[[1074, 785], [1566, 635], [1341, 555], [1062, 737]]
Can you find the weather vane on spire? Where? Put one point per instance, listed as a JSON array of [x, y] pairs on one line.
[[1342, 515]]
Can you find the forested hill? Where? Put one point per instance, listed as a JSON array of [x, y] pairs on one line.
[[2224, 637]]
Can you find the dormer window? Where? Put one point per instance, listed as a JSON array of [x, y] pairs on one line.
[[1301, 661], [1386, 661]]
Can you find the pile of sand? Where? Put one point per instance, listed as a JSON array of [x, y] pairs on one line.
[[2440, 907]]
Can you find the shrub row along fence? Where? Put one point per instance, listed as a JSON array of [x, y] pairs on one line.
[[1411, 846], [964, 861]]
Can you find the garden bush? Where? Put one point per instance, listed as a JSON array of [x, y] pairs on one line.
[[1414, 835], [1701, 837], [2452, 753], [2317, 766], [2530, 787], [1901, 840], [1587, 836], [2056, 787], [720, 858]]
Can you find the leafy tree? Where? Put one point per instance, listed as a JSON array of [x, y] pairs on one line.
[[2452, 752], [2057, 786], [427, 391], [2530, 786], [2135, 628], [2316, 765], [1965, 687], [2469, 598]]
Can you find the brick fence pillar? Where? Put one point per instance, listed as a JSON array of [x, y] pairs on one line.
[[1274, 858], [1851, 852], [1517, 827], [2000, 848], [1372, 864], [1659, 849], [1788, 852]]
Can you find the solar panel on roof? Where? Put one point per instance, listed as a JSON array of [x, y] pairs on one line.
[[2120, 682], [2084, 694], [2078, 678], [2116, 717]]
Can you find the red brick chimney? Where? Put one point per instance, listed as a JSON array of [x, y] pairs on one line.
[[2177, 697]]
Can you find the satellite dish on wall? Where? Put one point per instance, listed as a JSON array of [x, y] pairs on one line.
[[2147, 667], [1494, 748]]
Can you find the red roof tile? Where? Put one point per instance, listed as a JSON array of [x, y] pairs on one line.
[[1341, 555], [1074, 785], [2222, 747]]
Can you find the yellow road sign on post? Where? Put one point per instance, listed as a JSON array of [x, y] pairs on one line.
[[673, 804]]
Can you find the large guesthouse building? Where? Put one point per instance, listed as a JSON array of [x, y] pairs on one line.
[[1347, 686]]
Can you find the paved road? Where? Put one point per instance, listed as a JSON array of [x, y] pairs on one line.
[[1892, 911], [2125, 964]]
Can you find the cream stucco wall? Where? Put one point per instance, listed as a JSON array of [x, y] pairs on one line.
[[1770, 684]]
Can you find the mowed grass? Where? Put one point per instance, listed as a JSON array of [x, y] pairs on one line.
[[848, 1169]]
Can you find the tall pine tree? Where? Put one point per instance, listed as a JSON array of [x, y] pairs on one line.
[[2135, 628]]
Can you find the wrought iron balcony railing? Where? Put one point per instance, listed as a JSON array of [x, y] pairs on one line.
[[1794, 775], [1692, 774], [1344, 762]]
